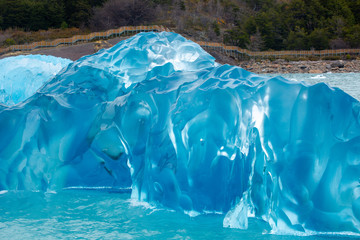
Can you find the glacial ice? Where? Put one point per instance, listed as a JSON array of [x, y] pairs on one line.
[[157, 113], [22, 76]]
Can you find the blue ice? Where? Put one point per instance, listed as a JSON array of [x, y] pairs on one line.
[[22, 76], [156, 113]]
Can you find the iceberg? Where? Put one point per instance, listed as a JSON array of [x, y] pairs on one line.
[[22, 76], [156, 113]]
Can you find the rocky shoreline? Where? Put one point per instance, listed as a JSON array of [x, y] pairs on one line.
[[317, 67], [285, 66]]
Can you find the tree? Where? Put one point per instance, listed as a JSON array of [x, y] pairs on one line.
[[319, 39], [31, 14], [236, 37], [297, 40], [354, 6], [271, 28], [256, 42], [353, 36], [116, 13], [11, 10], [77, 12], [336, 26], [54, 13], [250, 25]]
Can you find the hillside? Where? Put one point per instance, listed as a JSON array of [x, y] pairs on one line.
[[252, 24]]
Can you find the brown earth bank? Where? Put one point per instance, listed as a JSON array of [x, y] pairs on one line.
[[74, 52]]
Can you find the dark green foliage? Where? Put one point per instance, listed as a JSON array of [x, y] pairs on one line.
[[319, 39], [353, 36], [77, 12], [253, 24], [64, 25], [297, 40], [236, 37], [354, 6], [305, 24], [9, 42], [216, 28], [43, 14], [182, 5], [54, 13], [250, 25], [163, 2], [272, 29]]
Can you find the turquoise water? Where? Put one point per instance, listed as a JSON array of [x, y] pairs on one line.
[[105, 214], [85, 214], [348, 82]]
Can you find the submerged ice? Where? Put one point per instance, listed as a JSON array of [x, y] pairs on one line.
[[157, 113]]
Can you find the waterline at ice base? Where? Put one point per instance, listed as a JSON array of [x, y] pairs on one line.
[[156, 114]]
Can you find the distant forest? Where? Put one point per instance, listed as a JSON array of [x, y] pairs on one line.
[[252, 24]]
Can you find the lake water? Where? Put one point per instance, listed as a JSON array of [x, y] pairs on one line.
[[348, 82], [104, 214], [91, 214]]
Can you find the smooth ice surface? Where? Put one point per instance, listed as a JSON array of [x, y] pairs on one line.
[[156, 113], [21, 76]]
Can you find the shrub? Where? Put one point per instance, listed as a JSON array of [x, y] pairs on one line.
[[216, 28], [64, 25], [297, 40], [9, 42], [329, 58], [236, 37], [319, 39]]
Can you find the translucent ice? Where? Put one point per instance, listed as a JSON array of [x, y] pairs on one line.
[[156, 113], [21, 76]]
